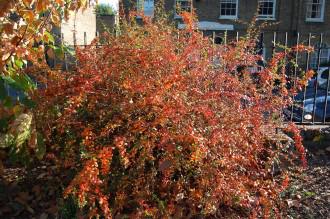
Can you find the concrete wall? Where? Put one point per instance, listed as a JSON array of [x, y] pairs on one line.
[[80, 22]]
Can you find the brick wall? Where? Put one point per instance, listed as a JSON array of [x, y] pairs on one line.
[[290, 17]]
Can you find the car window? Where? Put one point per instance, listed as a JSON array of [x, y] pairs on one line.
[[325, 74]]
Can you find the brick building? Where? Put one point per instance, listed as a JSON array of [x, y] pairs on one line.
[[284, 16]]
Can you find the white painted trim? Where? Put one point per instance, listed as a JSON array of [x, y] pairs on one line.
[[266, 19], [228, 17], [319, 20], [209, 25]]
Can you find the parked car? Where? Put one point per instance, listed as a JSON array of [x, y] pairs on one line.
[[303, 110]]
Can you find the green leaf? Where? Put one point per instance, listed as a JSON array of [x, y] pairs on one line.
[[19, 63], [8, 102], [52, 46], [69, 50], [309, 194], [50, 37], [19, 81], [59, 52], [8, 79]]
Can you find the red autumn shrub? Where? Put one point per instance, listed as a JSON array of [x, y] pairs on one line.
[[165, 124]]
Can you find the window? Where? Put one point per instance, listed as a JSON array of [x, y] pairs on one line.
[[182, 5], [324, 56], [315, 10], [228, 9], [146, 7], [266, 9]]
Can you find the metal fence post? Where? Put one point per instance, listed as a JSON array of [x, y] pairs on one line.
[[75, 46], [64, 53], [285, 63], [274, 44], [226, 34], [295, 74], [306, 69], [316, 81], [74, 39], [85, 39], [97, 36]]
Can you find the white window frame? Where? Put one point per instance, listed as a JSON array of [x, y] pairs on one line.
[[267, 17], [229, 16], [140, 7], [310, 19], [264, 52], [175, 6]]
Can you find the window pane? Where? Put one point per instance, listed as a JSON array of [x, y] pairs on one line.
[[228, 8], [314, 9], [266, 8]]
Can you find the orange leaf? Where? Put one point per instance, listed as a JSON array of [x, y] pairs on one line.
[[60, 2], [27, 2], [56, 19], [39, 6], [29, 16]]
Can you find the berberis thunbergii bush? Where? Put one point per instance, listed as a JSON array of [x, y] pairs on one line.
[[168, 125]]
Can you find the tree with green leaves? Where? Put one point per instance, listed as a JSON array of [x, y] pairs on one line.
[[104, 9]]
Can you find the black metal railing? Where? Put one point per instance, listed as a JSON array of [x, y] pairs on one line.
[[310, 105]]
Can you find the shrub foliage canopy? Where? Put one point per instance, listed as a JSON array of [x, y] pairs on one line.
[[166, 124]]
